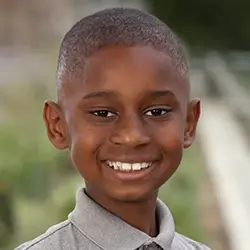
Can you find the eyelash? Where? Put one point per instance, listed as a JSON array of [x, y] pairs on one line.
[[164, 110], [102, 112]]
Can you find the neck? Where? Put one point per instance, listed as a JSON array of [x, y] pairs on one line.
[[138, 214]]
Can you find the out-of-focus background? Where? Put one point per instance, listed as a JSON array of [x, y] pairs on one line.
[[209, 195]]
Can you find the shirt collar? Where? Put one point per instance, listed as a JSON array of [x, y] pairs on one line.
[[110, 232]]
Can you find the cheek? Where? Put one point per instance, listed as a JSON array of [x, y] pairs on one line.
[[84, 151], [171, 142], [170, 136]]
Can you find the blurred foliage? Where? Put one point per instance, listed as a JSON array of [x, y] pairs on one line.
[[209, 24], [30, 169]]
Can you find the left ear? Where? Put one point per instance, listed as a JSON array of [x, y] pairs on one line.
[[193, 116]]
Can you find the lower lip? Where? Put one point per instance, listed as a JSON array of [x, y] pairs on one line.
[[131, 175]]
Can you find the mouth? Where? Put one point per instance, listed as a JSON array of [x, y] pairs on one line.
[[129, 171], [128, 167]]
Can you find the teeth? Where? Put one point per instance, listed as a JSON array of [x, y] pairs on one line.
[[128, 166], [145, 165], [115, 165], [119, 165], [136, 166]]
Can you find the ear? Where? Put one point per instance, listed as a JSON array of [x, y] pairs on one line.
[[191, 122], [55, 125]]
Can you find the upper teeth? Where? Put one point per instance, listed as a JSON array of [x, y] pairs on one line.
[[128, 166]]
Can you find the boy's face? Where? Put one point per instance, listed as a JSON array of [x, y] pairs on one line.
[[125, 122]]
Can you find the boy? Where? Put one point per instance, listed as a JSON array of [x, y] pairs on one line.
[[123, 112]]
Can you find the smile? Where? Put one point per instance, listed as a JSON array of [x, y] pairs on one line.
[[123, 166]]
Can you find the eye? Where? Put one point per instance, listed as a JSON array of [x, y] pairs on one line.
[[157, 112], [103, 113]]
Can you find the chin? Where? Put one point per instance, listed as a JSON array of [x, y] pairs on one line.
[[131, 194]]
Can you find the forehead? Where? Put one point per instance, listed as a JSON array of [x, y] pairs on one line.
[[140, 61], [130, 70]]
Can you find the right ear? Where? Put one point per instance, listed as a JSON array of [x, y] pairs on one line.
[[55, 125]]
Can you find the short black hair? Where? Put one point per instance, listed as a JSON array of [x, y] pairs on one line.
[[116, 26]]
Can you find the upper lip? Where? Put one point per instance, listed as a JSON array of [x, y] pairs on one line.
[[138, 160]]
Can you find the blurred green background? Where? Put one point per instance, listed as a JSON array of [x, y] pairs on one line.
[[38, 183]]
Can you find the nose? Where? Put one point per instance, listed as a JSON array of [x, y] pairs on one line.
[[131, 132]]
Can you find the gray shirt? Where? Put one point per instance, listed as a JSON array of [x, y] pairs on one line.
[[92, 227]]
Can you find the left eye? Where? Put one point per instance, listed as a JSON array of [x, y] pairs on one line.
[[103, 113], [157, 112]]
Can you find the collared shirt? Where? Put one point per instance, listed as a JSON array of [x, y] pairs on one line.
[[92, 227]]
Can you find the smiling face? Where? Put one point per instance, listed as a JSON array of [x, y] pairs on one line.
[[126, 123]]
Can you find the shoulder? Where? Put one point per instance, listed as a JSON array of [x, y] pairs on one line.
[[181, 240], [50, 240]]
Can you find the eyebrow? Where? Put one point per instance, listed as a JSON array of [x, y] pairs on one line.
[[161, 93], [105, 94], [99, 94]]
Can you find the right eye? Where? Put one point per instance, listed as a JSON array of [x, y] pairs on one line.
[[103, 113]]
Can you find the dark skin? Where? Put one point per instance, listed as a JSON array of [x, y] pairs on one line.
[[130, 106]]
